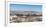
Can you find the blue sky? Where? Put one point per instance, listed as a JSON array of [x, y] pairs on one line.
[[25, 7]]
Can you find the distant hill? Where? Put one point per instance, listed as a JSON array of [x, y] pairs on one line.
[[24, 12]]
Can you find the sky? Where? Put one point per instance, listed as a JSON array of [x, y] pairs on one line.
[[25, 7]]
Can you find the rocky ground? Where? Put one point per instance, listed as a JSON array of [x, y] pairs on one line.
[[17, 19]]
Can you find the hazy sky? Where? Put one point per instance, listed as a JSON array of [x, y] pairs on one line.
[[25, 7]]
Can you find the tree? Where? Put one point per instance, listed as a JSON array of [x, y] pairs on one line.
[[27, 15], [34, 15], [19, 14]]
